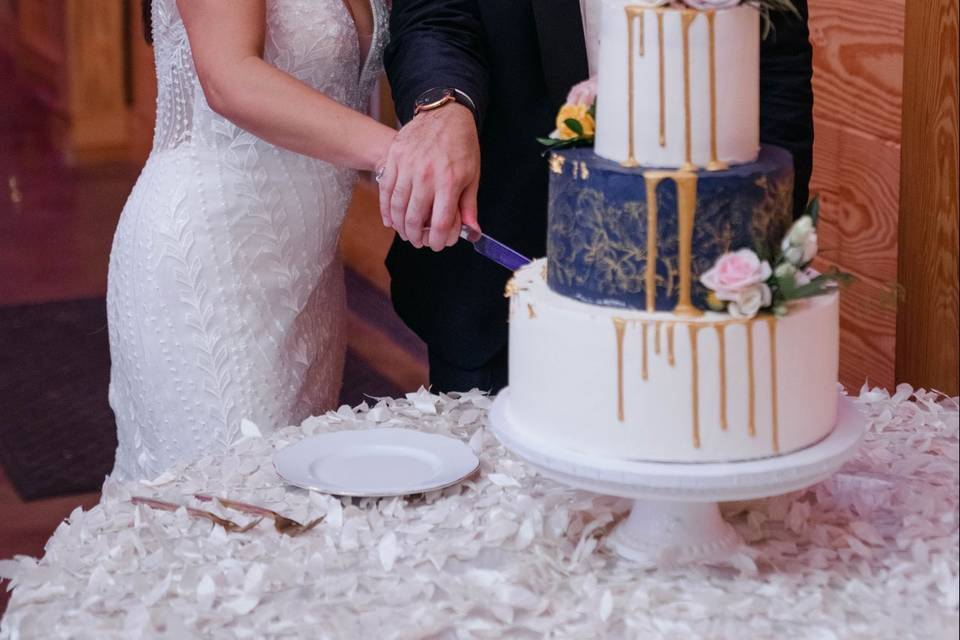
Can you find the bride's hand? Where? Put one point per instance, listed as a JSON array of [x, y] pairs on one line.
[[429, 182]]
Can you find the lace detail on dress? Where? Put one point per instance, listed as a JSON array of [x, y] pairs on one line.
[[225, 294]]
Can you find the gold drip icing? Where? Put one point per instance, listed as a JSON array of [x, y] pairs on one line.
[[619, 325], [722, 356], [556, 163], [752, 399], [663, 95], [644, 371], [686, 19], [652, 180], [695, 384], [715, 164], [774, 428], [686, 210], [670, 358], [530, 312], [637, 12], [631, 13], [584, 171], [693, 329]]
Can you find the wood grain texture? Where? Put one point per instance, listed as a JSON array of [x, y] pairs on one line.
[[858, 179], [927, 343], [94, 79], [868, 316], [858, 79], [858, 64]]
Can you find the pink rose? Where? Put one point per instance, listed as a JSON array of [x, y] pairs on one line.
[[583, 93], [733, 273], [708, 5]]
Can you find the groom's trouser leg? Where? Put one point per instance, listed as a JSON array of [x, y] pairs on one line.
[[446, 376]]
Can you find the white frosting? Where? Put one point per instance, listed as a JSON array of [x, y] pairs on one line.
[[737, 65], [563, 378]]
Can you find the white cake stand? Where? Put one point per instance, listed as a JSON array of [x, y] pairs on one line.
[[675, 517]]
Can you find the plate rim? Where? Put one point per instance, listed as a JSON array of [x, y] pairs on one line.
[[377, 494]]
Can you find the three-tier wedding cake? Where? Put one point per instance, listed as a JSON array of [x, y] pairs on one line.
[[674, 318]]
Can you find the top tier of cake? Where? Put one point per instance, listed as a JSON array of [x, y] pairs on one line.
[[677, 87]]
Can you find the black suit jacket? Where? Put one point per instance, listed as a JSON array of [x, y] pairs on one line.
[[517, 59]]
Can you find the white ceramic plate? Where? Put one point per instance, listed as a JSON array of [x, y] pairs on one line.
[[375, 462]]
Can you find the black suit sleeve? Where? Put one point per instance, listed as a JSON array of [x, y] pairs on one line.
[[436, 43], [786, 94]]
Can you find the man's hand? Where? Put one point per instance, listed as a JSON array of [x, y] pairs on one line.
[[429, 182]]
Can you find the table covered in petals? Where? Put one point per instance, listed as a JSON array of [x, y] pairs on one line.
[[870, 553]]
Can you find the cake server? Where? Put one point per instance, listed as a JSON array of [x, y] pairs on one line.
[[493, 249]]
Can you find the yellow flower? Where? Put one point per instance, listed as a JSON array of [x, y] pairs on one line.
[[715, 303], [578, 112]]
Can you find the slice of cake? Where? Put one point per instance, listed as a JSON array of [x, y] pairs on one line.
[[674, 319]]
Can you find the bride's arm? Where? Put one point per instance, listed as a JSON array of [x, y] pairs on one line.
[[226, 37]]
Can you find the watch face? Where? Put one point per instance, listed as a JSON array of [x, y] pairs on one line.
[[433, 96]]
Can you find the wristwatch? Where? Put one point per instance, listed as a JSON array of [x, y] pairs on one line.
[[439, 96]]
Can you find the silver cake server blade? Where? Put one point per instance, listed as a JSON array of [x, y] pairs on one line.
[[493, 250]]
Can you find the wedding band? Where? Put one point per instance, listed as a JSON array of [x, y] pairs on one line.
[[379, 175]]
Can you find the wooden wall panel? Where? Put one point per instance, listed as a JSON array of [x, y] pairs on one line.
[[927, 349], [858, 68], [858, 56], [858, 180], [95, 85]]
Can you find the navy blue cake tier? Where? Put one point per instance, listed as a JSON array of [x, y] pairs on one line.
[[603, 227]]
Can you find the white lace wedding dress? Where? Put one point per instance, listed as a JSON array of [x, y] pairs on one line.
[[225, 294]]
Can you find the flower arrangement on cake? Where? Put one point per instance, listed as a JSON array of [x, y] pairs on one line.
[[743, 283], [576, 120]]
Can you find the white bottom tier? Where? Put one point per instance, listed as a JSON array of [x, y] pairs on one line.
[[654, 386]]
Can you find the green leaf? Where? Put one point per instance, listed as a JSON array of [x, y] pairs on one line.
[[574, 126], [822, 284], [548, 141], [813, 209]]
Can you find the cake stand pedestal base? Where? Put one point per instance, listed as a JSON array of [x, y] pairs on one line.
[[660, 532], [675, 517]]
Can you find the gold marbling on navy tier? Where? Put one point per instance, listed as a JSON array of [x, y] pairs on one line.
[[603, 226]]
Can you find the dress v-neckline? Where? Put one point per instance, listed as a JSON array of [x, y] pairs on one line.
[[364, 59]]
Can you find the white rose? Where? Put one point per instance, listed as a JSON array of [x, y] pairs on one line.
[[794, 255], [708, 5], [810, 247], [799, 246], [787, 271], [750, 301]]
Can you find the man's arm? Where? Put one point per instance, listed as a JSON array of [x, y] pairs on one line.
[[435, 43], [432, 172], [786, 94]]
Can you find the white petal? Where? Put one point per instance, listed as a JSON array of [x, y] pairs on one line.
[[387, 551]]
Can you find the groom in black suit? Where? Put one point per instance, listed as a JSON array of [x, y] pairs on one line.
[[475, 82]]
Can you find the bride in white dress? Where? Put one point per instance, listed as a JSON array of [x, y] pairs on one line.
[[225, 295]]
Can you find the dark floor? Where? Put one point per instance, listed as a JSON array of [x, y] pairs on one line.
[[56, 227]]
